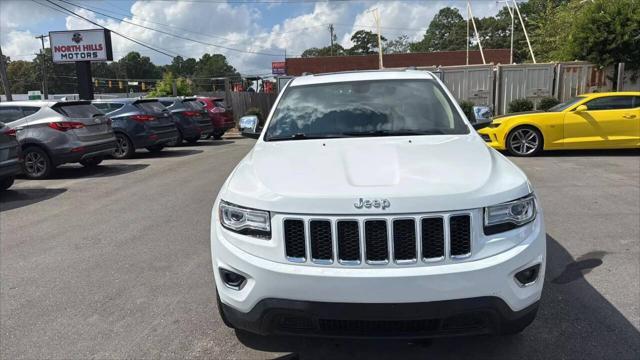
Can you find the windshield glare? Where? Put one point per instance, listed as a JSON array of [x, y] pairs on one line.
[[370, 108], [566, 104]]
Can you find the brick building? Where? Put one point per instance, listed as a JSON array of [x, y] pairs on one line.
[[315, 65]]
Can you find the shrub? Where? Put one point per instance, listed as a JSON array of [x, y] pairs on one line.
[[547, 102], [520, 105], [467, 108]]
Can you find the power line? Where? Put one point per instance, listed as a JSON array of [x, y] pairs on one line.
[[174, 35], [163, 51]]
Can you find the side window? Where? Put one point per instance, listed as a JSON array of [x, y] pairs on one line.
[[611, 103], [636, 101], [115, 106], [30, 110], [104, 107], [9, 114]]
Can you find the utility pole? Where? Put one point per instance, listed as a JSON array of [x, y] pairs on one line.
[[45, 94], [515, 4], [376, 16], [331, 34], [467, 32], [475, 30], [5, 79]]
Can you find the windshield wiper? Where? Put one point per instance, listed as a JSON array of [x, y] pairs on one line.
[[303, 136], [401, 132]]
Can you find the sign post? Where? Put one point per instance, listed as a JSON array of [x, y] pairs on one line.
[[81, 47]]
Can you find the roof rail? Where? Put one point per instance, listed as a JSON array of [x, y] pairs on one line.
[[306, 73]]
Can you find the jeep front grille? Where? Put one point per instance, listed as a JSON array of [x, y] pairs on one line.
[[377, 241]]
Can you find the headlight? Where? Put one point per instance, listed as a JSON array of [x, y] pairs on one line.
[[245, 221], [507, 216]]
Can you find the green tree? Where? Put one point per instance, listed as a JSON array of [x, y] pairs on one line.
[[22, 76], [135, 66], [447, 31], [164, 87], [604, 33], [211, 66], [338, 50], [182, 67], [365, 42], [399, 45]]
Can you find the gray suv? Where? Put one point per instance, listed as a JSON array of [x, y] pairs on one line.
[[10, 157], [52, 133], [191, 118], [138, 123]]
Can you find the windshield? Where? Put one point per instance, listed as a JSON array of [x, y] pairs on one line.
[[77, 110], [565, 105], [365, 108]]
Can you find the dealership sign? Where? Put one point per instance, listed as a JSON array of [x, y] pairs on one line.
[[81, 45], [278, 67]]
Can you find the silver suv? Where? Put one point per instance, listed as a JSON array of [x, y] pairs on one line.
[[52, 133]]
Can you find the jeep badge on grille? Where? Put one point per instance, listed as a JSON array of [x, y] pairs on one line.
[[375, 203]]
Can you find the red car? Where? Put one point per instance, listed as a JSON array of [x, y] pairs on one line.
[[221, 117]]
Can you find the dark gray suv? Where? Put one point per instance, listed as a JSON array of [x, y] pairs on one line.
[[10, 157], [191, 118], [52, 133], [138, 123]]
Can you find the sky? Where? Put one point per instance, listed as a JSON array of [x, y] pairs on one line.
[[250, 33]]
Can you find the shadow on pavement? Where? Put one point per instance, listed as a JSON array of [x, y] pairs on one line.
[[574, 322], [166, 153], [590, 153], [13, 199], [211, 143], [103, 170]]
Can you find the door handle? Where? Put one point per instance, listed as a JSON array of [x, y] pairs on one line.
[[629, 116]]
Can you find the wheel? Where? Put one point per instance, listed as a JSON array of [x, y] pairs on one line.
[[222, 315], [155, 148], [37, 163], [177, 141], [124, 147], [6, 183], [193, 140], [217, 136], [524, 141], [89, 163]]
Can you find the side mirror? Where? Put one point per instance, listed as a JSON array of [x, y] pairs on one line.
[[581, 108], [481, 125], [249, 126], [248, 122], [482, 114]]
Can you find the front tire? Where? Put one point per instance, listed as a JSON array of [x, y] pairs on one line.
[[37, 163], [91, 163], [6, 183], [524, 141], [124, 147], [193, 140]]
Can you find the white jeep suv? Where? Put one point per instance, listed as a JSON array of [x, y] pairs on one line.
[[369, 206]]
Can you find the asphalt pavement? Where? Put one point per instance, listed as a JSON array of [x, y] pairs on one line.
[[114, 263]]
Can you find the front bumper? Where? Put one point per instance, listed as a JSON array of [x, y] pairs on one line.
[[493, 138], [474, 316], [385, 288]]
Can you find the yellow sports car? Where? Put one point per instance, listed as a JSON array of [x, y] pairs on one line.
[[590, 121]]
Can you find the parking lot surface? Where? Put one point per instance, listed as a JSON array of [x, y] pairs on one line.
[[114, 262]]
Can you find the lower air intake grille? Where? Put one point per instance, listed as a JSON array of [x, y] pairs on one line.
[[294, 239], [381, 327], [460, 233]]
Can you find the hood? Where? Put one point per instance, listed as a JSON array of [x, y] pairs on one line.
[[529, 114], [414, 173]]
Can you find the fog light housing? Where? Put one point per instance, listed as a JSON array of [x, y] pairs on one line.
[[528, 276], [232, 280]]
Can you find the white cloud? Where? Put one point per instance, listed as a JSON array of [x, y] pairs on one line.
[[20, 45]]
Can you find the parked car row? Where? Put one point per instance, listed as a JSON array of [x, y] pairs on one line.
[[38, 136]]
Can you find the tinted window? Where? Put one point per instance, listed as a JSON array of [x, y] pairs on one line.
[[365, 108], [566, 104], [220, 104], [153, 107], [611, 103], [77, 110], [9, 114], [192, 105], [104, 107], [166, 103], [29, 110], [636, 101]]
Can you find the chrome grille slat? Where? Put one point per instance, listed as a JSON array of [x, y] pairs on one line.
[[378, 240]]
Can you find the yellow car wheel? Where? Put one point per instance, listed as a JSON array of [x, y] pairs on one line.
[[524, 141]]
